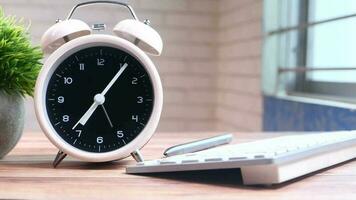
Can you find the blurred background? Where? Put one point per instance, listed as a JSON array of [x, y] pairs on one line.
[[237, 65], [210, 66]]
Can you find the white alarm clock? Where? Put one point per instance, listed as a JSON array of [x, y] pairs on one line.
[[99, 97]]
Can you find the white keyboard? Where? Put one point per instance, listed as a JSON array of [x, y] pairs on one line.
[[268, 161]]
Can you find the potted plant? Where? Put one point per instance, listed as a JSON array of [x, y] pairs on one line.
[[19, 67]]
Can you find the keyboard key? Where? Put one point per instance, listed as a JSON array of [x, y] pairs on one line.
[[189, 161], [259, 156], [213, 159], [237, 158], [162, 162]]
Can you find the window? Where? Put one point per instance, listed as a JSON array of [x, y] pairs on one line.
[[310, 48]]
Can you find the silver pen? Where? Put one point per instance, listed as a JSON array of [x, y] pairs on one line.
[[198, 145]]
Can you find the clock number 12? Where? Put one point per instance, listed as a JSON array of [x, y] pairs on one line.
[[100, 61]]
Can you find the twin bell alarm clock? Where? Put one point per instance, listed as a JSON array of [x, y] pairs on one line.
[[99, 97]]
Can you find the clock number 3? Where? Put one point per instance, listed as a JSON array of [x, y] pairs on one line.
[[139, 99]]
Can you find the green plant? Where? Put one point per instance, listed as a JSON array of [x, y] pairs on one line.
[[20, 62]]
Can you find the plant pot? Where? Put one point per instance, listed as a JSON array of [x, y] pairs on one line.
[[12, 119]]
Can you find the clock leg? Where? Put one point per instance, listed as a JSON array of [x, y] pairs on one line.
[[59, 157], [137, 156]]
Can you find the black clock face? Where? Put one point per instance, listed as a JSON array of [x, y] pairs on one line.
[[99, 99]]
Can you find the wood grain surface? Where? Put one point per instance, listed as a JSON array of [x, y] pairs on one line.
[[26, 173]]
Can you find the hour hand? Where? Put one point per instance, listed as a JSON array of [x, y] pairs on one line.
[[98, 100]]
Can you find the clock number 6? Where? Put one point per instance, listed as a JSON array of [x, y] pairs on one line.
[[99, 140]]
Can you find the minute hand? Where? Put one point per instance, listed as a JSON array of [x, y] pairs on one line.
[[99, 98], [113, 80]]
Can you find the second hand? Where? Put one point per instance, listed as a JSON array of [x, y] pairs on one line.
[[107, 116]]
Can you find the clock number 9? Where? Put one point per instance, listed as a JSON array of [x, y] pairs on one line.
[[99, 140], [120, 134], [60, 99]]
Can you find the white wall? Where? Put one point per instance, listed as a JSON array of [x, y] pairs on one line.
[[239, 102], [210, 63]]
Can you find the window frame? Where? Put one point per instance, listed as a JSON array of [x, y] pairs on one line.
[[297, 84]]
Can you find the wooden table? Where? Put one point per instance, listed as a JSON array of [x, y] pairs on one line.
[[27, 173]]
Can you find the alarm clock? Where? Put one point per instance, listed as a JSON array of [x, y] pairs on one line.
[[99, 97]]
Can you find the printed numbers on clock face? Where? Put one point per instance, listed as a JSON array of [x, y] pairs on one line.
[[99, 99]]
